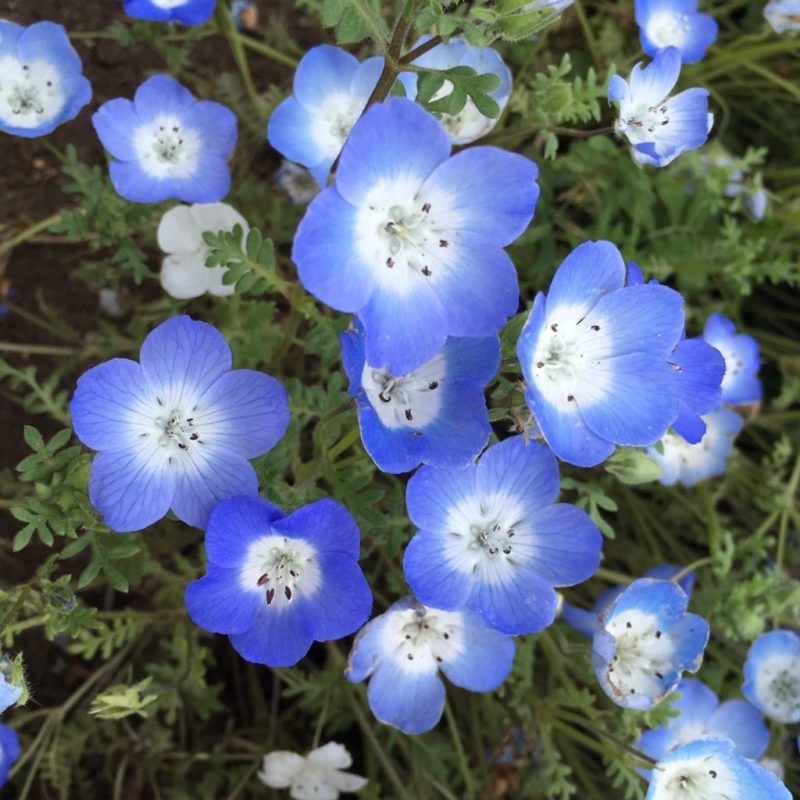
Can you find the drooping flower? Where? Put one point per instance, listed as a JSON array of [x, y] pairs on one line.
[[320, 775], [275, 583], [740, 385], [660, 127], [412, 240], [783, 15], [188, 12], [42, 82], [165, 144], [711, 769], [11, 684], [702, 716], [176, 430], [644, 641], [595, 354], [689, 464], [469, 124], [772, 675], [493, 540], [401, 652], [298, 183], [10, 751], [675, 23], [184, 273], [330, 90], [434, 415]]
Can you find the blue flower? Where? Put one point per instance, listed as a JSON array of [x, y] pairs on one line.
[[675, 23], [644, 641], [175, 431], [402, 651], [772, 675], [711, 769], [469, 124], [43, 84], [330, 90], [435, 414], [740, 351], [189, 12], [689, 464], [595, 355], [783, 15], [660, 127], [277, 584], [167, 144], [493, 540], [701, 716], [412, 239], [9, 751]]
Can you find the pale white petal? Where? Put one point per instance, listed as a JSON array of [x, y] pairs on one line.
[[281, 768], [178, 232], [185, 276], [332, 755], [217, 217]]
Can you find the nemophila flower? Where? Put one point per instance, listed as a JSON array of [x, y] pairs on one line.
[[658, 126], [702, 716], [711, 769], [783, 15], [176, 430], [184, 273], [298, 183], [167, 144], [41, 80], [469, 124], [330, 90], [320, 775], [675, 23], [689, 464], [189, 12], [753, 195], [401, 652], [740, 351], [10, 751], [435, 414], [772, 675], [10, 692], [276, 584], [493, 540], [412, 239], [595, 355], [644, 641]]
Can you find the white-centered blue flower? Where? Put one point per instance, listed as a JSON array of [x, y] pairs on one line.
[[435, 414], [401, 652], [644, 641], [595, 354], [492, 538], [41, 80], [10, 751], [411, 239], [711, 769], [772, 675], [783, 15], [189, 12], [740, 385], [165, 143], [689, 464], [176, 429], [468, 124], [675, 23], [702, 716], [658, 126]]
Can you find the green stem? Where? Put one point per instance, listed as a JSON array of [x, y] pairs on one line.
[[227, 28], [466, 774], [270, 52], [29, 233], [37, 349], [351, 437], [791, 491], [613, 576]]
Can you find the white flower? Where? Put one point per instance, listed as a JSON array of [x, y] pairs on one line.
[[317, 776], [180, 235]]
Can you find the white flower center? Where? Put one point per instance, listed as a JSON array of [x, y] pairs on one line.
[[29, 92], [778, 686], [642, 123], [696, 779], [167, 148], [733, 363], [644, 654], [281, 568], [167, 4], [334, 119], [668, 28], [176, 431]]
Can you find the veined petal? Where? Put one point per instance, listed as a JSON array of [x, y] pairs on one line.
[[234, 524], [218, 602]]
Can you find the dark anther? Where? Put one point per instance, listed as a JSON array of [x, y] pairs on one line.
[[384, 399], [492, 551], [410, 656], [25, 67], [628, 625], [446, 635], [539, 364], [183, 446], [439, 659], [293, 573], [426, 208], [595, 327], [633, 691], [194, 437], [390, 262], [571, 398], [712, 773], [49, 83], [426, 271], [175, 129], [288, 592], [554, 327], [443, 243], [658, 634], [408, 636], [263, 579], [270, 596], [659, 676], [507, 550], [433, 385], [511, 533], [409, 415]]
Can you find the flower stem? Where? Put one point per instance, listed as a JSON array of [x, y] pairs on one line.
[[469, 788], [227, 28], [29, 233]]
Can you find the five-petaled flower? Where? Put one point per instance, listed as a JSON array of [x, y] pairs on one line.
[[493, 540], [189, 12], [165, 143], [412, 239], [772, 675], [278, 583], [401, 652], [741, 353], [675, 23], [176, 430], [41, 80]]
